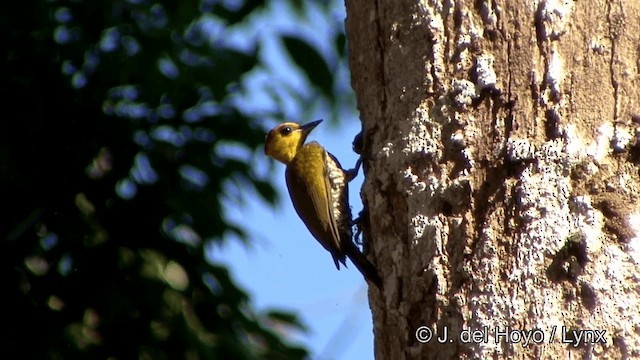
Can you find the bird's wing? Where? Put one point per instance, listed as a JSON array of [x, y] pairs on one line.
[[312, 200], [328, 200]]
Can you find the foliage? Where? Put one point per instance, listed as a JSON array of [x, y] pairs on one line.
[[113, 175]]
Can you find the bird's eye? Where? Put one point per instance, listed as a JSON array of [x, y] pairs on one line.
[[286, 131]]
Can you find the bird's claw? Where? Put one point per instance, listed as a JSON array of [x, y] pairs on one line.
[[352, 173]]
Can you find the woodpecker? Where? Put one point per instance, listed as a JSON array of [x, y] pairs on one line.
[[318, 188]]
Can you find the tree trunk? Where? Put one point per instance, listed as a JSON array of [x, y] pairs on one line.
[[501, 175]]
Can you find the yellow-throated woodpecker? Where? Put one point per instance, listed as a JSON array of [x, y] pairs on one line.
[[318, 188]]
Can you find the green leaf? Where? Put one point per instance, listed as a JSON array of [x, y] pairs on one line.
[[341, 44], [311, 63], [237, 15], [287, 318]]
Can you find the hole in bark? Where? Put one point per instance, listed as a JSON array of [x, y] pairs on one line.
[[634, 154], [551, 125], [447, 209], [569, 261]]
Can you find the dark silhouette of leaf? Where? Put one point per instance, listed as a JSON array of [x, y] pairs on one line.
[[311, 63]]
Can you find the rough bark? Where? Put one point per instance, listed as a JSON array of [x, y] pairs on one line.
[[501, 175]]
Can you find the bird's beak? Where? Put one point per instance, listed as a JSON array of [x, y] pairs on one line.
[[306, 128]]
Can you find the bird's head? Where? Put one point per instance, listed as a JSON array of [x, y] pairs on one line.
[[283, 142]]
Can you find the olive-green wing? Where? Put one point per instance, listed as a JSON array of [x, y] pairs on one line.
[[310, 192]]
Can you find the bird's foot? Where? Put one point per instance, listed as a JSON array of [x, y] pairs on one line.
[[352, 173]]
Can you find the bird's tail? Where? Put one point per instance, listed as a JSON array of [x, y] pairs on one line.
[[366, 268]]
